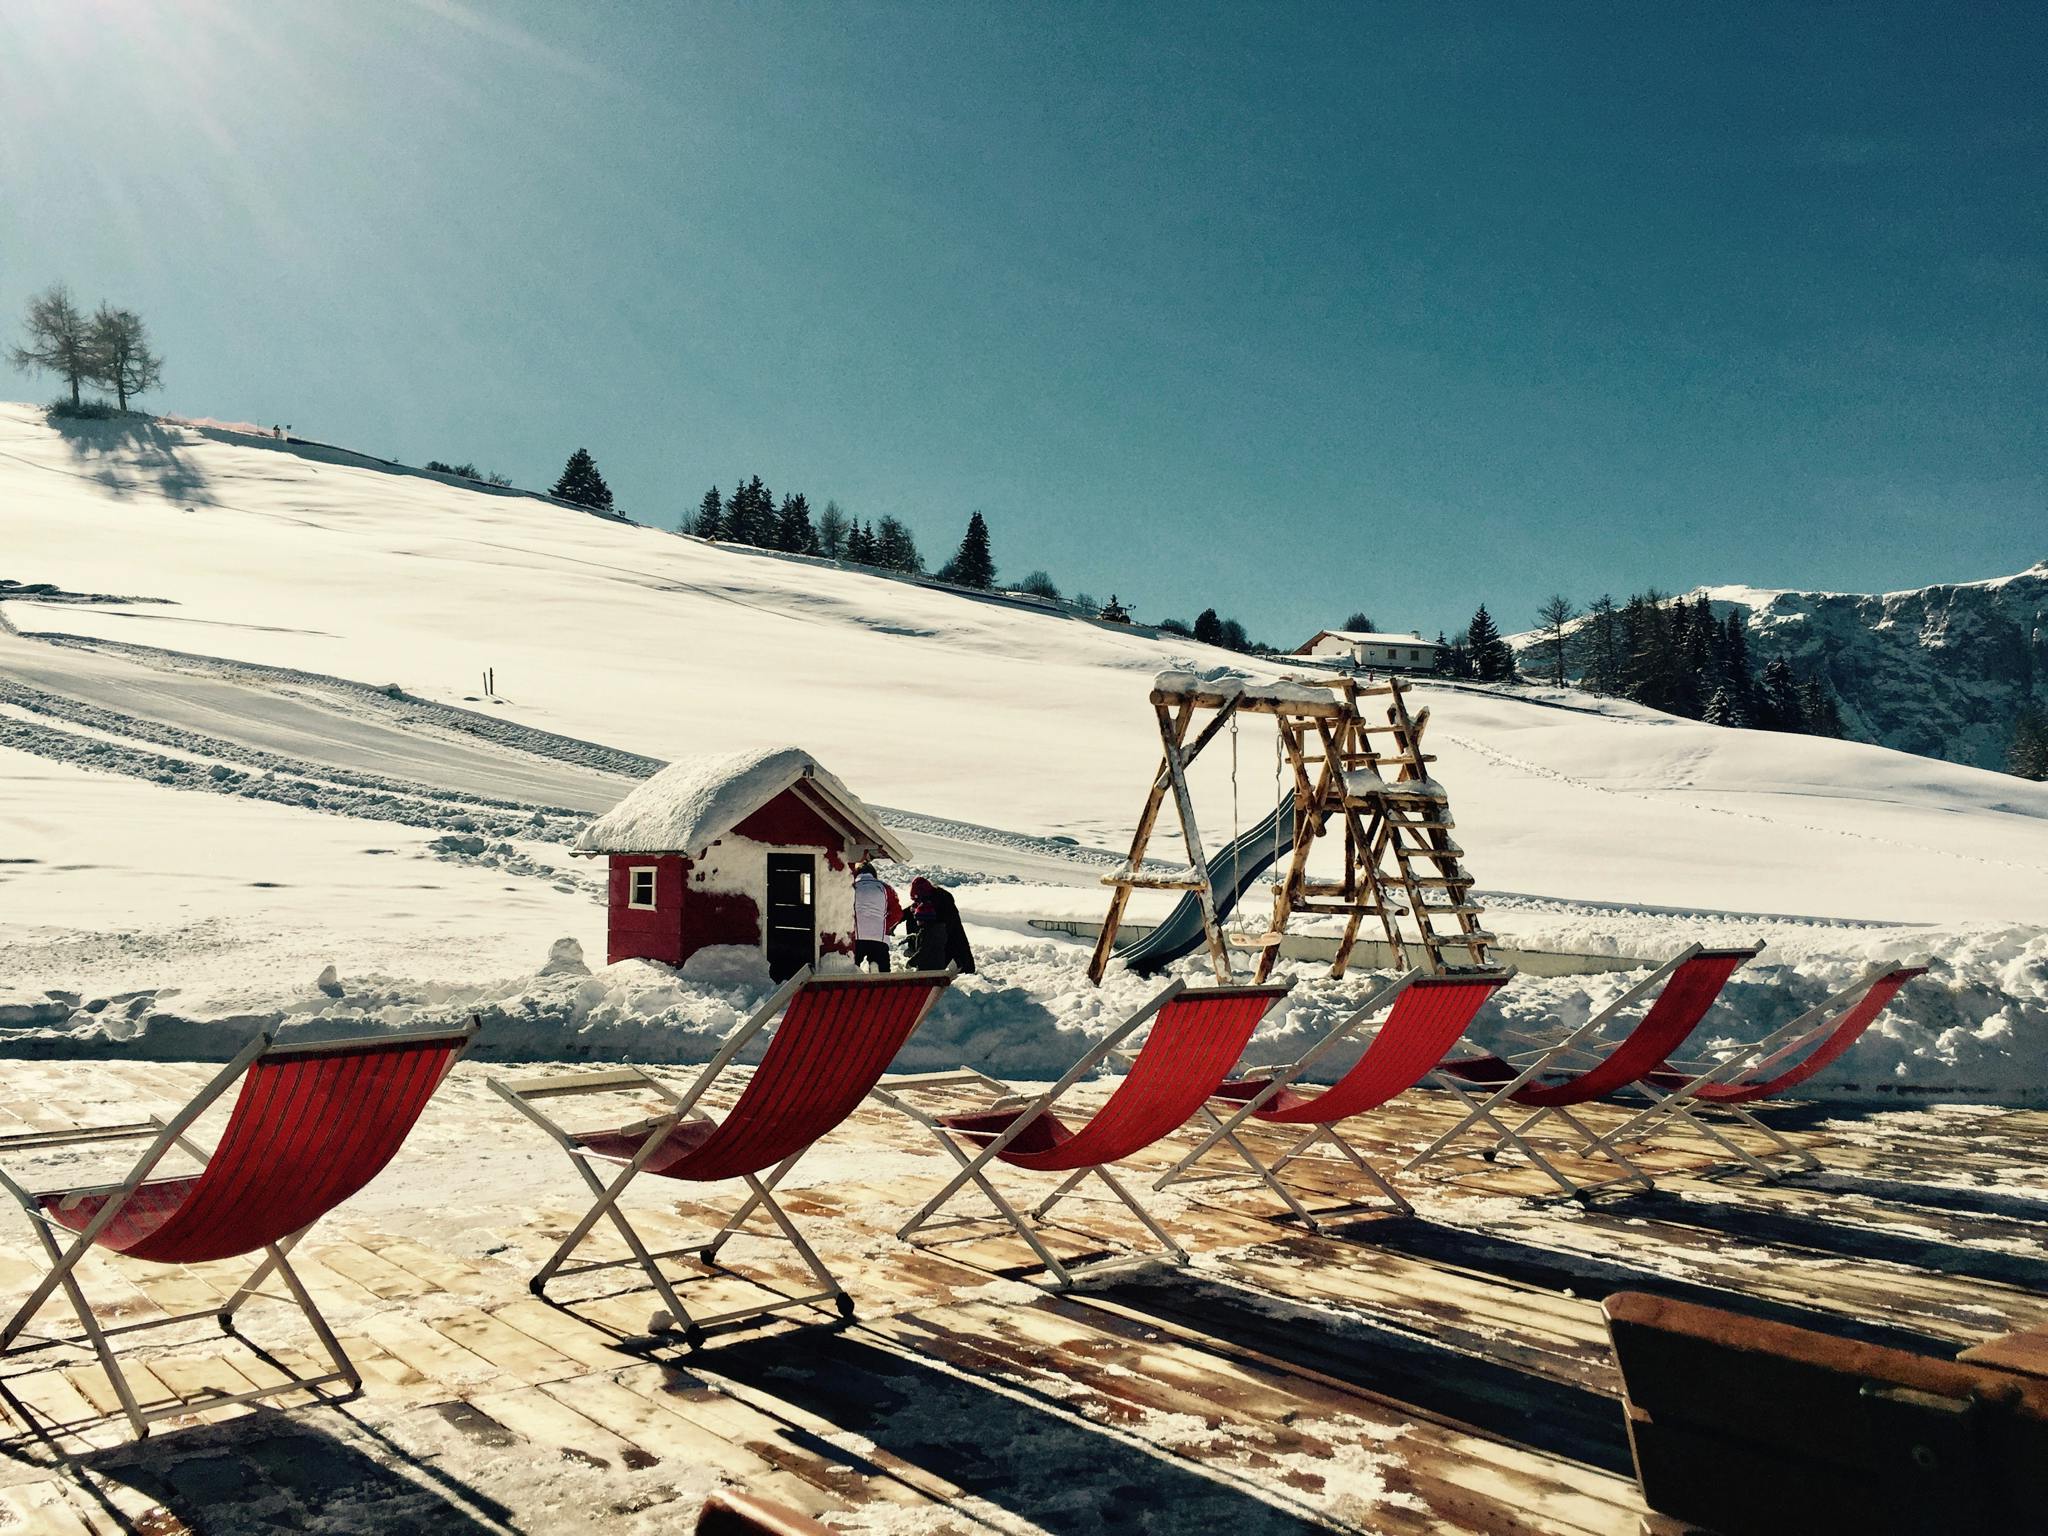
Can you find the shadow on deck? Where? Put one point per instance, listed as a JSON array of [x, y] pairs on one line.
[[272, 1471], [1001, 1447], [1379, 1357], [1597, 1279]]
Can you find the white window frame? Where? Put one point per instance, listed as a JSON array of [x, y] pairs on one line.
[[653, 874]]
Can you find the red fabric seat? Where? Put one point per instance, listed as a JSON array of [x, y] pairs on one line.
[[1045, 1132], [1194, 1041], [309, 1129], [1848, 1030], [1680, 1006], [1427, 1019], [621, 1145], [1242, 1090], [1485, 1071], [836, 1039]]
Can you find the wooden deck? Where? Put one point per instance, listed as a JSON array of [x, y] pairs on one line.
[[1445, 1373]]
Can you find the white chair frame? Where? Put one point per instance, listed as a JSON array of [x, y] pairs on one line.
[[524, 1094], [974, 1158], [164, 1136], [1485, 1107]]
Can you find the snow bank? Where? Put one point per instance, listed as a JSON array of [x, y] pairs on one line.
[[1975, 1028]]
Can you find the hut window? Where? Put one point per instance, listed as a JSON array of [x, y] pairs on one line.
[[640, 886]]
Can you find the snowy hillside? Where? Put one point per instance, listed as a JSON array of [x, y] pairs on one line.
[[271, 752]]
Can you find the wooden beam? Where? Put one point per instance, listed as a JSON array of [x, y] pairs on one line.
[[1170, 737], [1105, 942]]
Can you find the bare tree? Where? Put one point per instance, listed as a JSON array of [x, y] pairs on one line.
[[1554, 615], [58, 339], [832, 531], [121, 359]]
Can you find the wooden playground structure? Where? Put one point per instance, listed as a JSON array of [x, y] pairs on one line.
[[1366, 779]]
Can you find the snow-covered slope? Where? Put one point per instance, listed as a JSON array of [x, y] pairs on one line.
[[315, 633]]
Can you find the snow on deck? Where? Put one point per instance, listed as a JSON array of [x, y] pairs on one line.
[[1443, 1374]]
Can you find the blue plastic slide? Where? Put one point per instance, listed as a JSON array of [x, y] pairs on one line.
[[1233, 867]]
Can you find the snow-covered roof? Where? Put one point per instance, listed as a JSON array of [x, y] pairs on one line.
[[694, 801], [1365, 637]]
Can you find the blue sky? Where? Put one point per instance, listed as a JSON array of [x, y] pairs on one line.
[[1288, 310]]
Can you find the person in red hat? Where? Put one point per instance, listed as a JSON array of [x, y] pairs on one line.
[[937, 936]]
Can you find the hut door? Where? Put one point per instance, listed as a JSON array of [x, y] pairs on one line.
[[792, 913]]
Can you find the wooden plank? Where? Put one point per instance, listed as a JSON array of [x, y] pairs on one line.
[[517, 1356], [547, 1421], [2025, 1352]]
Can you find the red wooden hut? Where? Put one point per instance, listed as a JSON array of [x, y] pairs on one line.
[[752, 849]]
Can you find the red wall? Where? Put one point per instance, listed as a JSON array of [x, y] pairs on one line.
[[637, 934], [718, 917], [789, 823]]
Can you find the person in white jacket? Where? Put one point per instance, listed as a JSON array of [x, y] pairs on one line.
[[876, 911]]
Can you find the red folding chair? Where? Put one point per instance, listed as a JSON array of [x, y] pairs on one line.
[[312, 1125], [1428, 1015], [1555, 1078], [1773, 1066], [1195, 1038], [837, 1036]]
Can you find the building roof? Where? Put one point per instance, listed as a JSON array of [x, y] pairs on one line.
[[695, 801], [1357, 637]]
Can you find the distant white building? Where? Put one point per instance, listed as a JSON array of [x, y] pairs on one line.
[[1381, 653]]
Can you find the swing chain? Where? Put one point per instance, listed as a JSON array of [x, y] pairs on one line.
[[1234, 832]]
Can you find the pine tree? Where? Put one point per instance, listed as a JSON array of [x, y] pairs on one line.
[[582, 484], [1554, 616], [1602, 672], [761, 514], [793, 531], [1234, 636], [1818, 710], [1692, 661], [1209, 627], [974, 565], [1493, 661], [1360, 623], [895, 549], [2028, 754], [750, 514], [1778, 701], [1721, 708], [1702, 654], [1735, 665], [1453, 657], [57, 339], [710, 520], [1645, 673], [832, 531]]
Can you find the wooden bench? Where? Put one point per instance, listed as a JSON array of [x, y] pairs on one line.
[[1747, 1427]]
